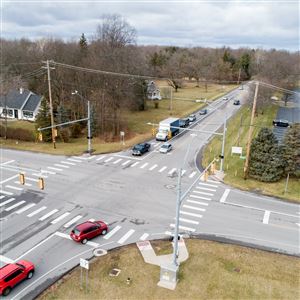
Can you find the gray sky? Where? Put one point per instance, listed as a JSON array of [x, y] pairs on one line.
[[264, 24]]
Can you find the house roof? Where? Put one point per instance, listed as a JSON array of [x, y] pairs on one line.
[[32, 103]]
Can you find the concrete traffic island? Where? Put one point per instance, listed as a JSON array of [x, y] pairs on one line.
[[168, 271]]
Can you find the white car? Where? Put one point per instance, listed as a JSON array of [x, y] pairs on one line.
[[166, 147], [225, 98]]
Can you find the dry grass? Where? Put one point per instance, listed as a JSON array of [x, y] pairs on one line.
[[213, 271]]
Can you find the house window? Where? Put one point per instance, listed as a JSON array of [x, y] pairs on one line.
[[8, 112], [27, 114]]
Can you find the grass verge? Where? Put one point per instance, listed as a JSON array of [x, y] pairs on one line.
[[213, 271]]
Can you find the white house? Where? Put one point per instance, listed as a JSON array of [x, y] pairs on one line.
[[153, 92], [20, 104]]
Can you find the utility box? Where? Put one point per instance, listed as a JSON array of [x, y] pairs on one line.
[[168, 276]]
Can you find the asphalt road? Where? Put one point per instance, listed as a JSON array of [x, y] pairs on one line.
[[135, 196]]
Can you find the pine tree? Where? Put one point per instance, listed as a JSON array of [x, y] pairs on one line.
[[291, 151], [43, 120], [83, 45], [266, 157]]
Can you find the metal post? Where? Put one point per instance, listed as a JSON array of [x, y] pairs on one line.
[[286, 183], [223, 145], [89, 127]]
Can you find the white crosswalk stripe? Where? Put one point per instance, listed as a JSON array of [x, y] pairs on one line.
[[14, 187], [61, 166], [144, 165], [205, 189], [144, 236], [117, 161], [36, 211], [172, 171], [203, 193], [15, 205], [25, 208], [192, 174], [188, 221], [26, 184], [74, 220], [183, 172], [60, 218], [109, 159], [7, 201], [126, 162], [126, 236], [52, 212], [153, 167], [32, 179], [74, 160], [101, 157], [200, 197], [197, 202], [112, 232], [162, 169], [1, 197], [207, 184], [213, 181], [39, 175], [67, 163], [48, 172], [184, 228], [194, 207], [55, 169], [182, 212], [6, 193], [134, 164]]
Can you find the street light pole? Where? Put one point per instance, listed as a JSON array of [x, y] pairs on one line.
[[223, 145], [89, 128]]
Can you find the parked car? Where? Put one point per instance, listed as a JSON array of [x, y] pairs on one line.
[[236, 102], [203, 111], [12, 274], [281, 123], [140, 149], [192, 118], [184, 123], [166, 147], [88, 230], [225, 98]]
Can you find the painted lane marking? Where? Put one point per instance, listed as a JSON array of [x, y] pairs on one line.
[[101, 157], [48, 172], [8, 179], [109, 159], [126, 162], [112, 232], [134, 164], [15, 205], [153, 167], [197, 202], [7, 201], [39, 175], [14, 188], [7, 162], [117, 161], [55, 169], [200, 197], [172, 171], [92, 220], [126, 236], [67, 236], [74, 220], [74, 160], [60, 218], [213, 181], [203, 193], [37, 211], [144, 165], [205, 189], [48, 214], [192, 174], [183, 172], [225, 195], [27, 184], [266, 217], [207, 184], [184, 228], [6, 193], [61, 166], [194, 207], [144, 236], [162, 169], [68, 163], [1, 197], [190, 214], [25, 208], [6, 259], [188, 221]]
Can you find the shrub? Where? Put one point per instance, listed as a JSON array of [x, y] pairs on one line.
[[64, 135], [75, 130], [17, 134]]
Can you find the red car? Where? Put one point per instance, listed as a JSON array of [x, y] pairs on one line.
[[12, 274], [88, 230]]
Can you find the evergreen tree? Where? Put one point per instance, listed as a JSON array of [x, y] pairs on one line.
[[266, 157], [43, 120], [291, 151], [83, 45], [245, 64]]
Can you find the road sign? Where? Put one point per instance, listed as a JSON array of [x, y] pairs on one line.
[[122, 133], [236, 150], [84, 263]]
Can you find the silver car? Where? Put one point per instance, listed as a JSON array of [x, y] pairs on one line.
[[166, 147]]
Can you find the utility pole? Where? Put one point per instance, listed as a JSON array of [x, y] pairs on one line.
[[89, 127], [246, 167], [50, 103], [223, 145], [239, 76], [171, 101]]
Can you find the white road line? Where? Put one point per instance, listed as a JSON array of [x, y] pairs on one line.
[[74, 160], [101, 157], [205, 189], [144, 165], [200, 197], [32, 179], [63, 235], [207, 184], [48, 214], [39, 175], [203, 193], [6, 259], [134, 164], [7, 201], [197, 202], [15, 205], [213, 181], [188, 221], [184, 228], [60, 218], [27, 184], [48, 172], [266, 217], [162, 169], [7, 162], [6, 193], [74, 220], [55, 169], [192, 174], [61, 166], [1, 197], [117, 161], [92, 220], [190, 214], [109, 159], [126, 236], [8, 179], [172, 171], [153, 167], [112, 232], [183, 172], [14, 188], [194, 207], [37, 211], [25, 208], [68, 163], [224, 196], [126, 162], [144, 236]]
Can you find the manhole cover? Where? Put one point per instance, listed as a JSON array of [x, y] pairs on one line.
[[99, 252], [114, 272], [170, 186]]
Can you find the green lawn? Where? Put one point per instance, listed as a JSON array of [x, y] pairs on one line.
[[213, 271], [234, 166]]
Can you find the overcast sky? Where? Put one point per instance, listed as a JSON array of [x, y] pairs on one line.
[[264, 24]]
